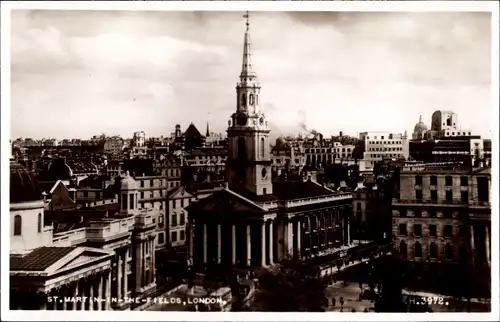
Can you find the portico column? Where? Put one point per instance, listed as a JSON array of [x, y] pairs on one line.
[[119, 275], [219, 244], [84, 294], [108, 291], [263, 243], [144, 271], [75, 294], [290, 237], [204, 243], [67, 292], [348, 230], [299, 242], [153, 260], [271, 248], [125, 279], [91, 294], [249, 246], [233, 247], [99, 293], [487, 242], [191, 239]]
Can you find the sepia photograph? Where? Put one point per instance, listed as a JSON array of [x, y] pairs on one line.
[[248, 160]]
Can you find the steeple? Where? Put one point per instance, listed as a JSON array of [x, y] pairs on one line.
[[420, 119], [247, 73], [208, 131]]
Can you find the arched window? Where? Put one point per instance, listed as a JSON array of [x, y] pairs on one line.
[[183, 219], [402, 249], [418, 250], [18, 222], [250, 99], [243, 101], [262, 147], [448, 251], [39, 223], [433, 251]]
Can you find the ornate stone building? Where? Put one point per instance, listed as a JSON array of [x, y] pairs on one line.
[[105, 257], [443, 216], [255, 222]]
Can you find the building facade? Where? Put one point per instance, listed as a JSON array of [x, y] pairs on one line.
[[443, 216], [383, 145], [108, 256], [256, 222]]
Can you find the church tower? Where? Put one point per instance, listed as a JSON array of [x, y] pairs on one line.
[[249, 160]]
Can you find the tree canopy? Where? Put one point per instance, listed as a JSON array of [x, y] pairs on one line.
[[292, 285]]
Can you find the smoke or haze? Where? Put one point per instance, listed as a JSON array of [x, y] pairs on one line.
[[80, 73]]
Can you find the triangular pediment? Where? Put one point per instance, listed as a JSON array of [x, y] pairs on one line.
[[180, 192], [79, 256], [225, 202]]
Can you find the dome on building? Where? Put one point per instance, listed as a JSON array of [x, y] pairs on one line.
[[23, 186], [420, 126], [128, 183]]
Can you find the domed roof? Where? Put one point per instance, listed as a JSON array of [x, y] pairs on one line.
[[23, 186], [420, 126], [128, 183]]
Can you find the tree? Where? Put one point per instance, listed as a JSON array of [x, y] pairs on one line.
[[293, 285]]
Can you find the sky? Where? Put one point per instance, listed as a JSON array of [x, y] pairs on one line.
[[75, 74]]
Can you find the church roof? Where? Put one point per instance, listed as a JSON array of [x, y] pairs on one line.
[[299, 190], [39, 259]]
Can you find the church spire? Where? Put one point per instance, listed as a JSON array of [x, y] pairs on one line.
[[208, 131], [247, 72], [420, 118]]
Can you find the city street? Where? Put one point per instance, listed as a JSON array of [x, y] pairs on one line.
[[350, 293]]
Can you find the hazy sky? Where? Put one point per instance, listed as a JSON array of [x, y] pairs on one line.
[[80, 73]]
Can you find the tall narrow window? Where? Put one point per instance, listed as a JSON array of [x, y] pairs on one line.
[[39, 223], [132, 204], [262, 147], [241, 149], [124, 202], [418, 250], [402, 249], [243, 101], [433, 251], [18, 222], [250, 99]]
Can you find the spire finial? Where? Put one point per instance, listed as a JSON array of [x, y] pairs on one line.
[[247, 17], [420, 118]]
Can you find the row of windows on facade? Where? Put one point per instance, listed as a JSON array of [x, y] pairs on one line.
[[390, 155], [18, 224], [160, 181], [385, 142], [208, 157], [417, 212], [433, 229], [382, 137], [464, 195], [458, 133], [482, 185], [182, 219], [331, 156], [386, 149], [323, 150], [433, 250], [448, 180]]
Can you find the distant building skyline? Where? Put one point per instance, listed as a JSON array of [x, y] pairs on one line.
[[76, 74]]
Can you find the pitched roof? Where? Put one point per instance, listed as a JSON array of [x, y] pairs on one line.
[[192, 132], [224, 198], [39, 259], [299, 190]]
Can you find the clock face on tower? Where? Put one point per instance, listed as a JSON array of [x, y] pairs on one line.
[[242, 119]]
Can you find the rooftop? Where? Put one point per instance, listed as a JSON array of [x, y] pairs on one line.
[[39, 259]]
